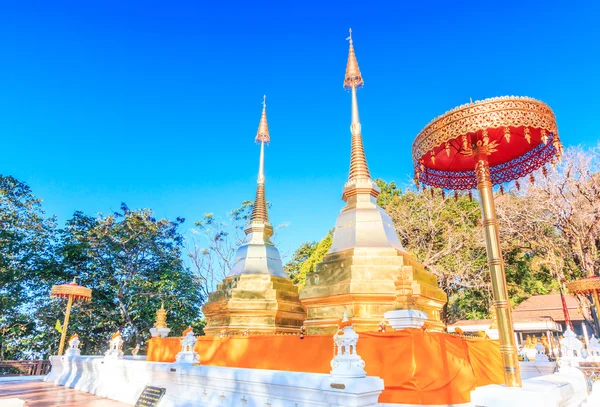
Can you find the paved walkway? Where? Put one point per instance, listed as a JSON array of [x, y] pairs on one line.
[[42, 394]]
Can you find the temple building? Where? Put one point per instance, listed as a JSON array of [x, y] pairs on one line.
[[358, 274], [257, 296], [536, 316]]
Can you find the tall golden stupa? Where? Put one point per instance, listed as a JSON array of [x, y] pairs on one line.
[[366, 259], [257, 296]]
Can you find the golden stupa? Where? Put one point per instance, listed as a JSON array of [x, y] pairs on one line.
[[366, 271], [257, 296], [161, 317]]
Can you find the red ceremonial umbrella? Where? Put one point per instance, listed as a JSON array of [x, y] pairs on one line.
[[479, 145]]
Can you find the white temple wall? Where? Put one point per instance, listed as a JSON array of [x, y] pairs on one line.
[[188, 385]]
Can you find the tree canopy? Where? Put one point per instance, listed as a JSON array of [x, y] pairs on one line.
[[131, 260]]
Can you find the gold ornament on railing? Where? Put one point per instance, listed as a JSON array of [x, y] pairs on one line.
[[507, 134]]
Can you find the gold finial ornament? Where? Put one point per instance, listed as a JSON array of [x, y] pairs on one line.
[[507, 134], [262, 135], [544, 136], [353, 78], [161, 317]]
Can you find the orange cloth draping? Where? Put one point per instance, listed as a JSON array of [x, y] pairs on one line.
[[417, 367]]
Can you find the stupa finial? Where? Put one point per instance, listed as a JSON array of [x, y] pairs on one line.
[[262, 135], [353, 79], [259, 212]]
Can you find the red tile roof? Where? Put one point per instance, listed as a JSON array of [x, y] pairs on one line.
[[537, 308], [549, 305]]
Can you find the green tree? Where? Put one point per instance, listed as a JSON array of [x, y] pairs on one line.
[[132, 262], [306, 258], [389, 190], [294, 265], [26, 237]]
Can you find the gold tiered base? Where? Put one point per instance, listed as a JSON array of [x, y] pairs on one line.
[[360, 282], [254, 304]]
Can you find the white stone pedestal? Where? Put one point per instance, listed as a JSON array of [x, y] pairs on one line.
[[530, 370], [363, 392], [406, 318], [159, 332], [563, 389]]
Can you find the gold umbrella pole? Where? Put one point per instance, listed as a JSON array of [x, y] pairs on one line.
[[64, 327], [508, 350], [596, 305]]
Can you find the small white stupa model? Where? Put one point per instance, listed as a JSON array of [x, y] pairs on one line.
[[73, 349], [187, 354], [115, 347], [540, 353], [571, 349], [593, 350], [346, 362]]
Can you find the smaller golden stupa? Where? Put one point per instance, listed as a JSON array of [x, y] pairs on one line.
[[161, 317], [257, 296]]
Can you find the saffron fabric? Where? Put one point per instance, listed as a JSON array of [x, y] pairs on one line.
[[417, 367]]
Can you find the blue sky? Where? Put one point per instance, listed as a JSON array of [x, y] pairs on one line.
[[157, 103]]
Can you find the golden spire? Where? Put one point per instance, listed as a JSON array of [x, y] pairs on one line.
[[161, 317], [353, 79], [259, 212]]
